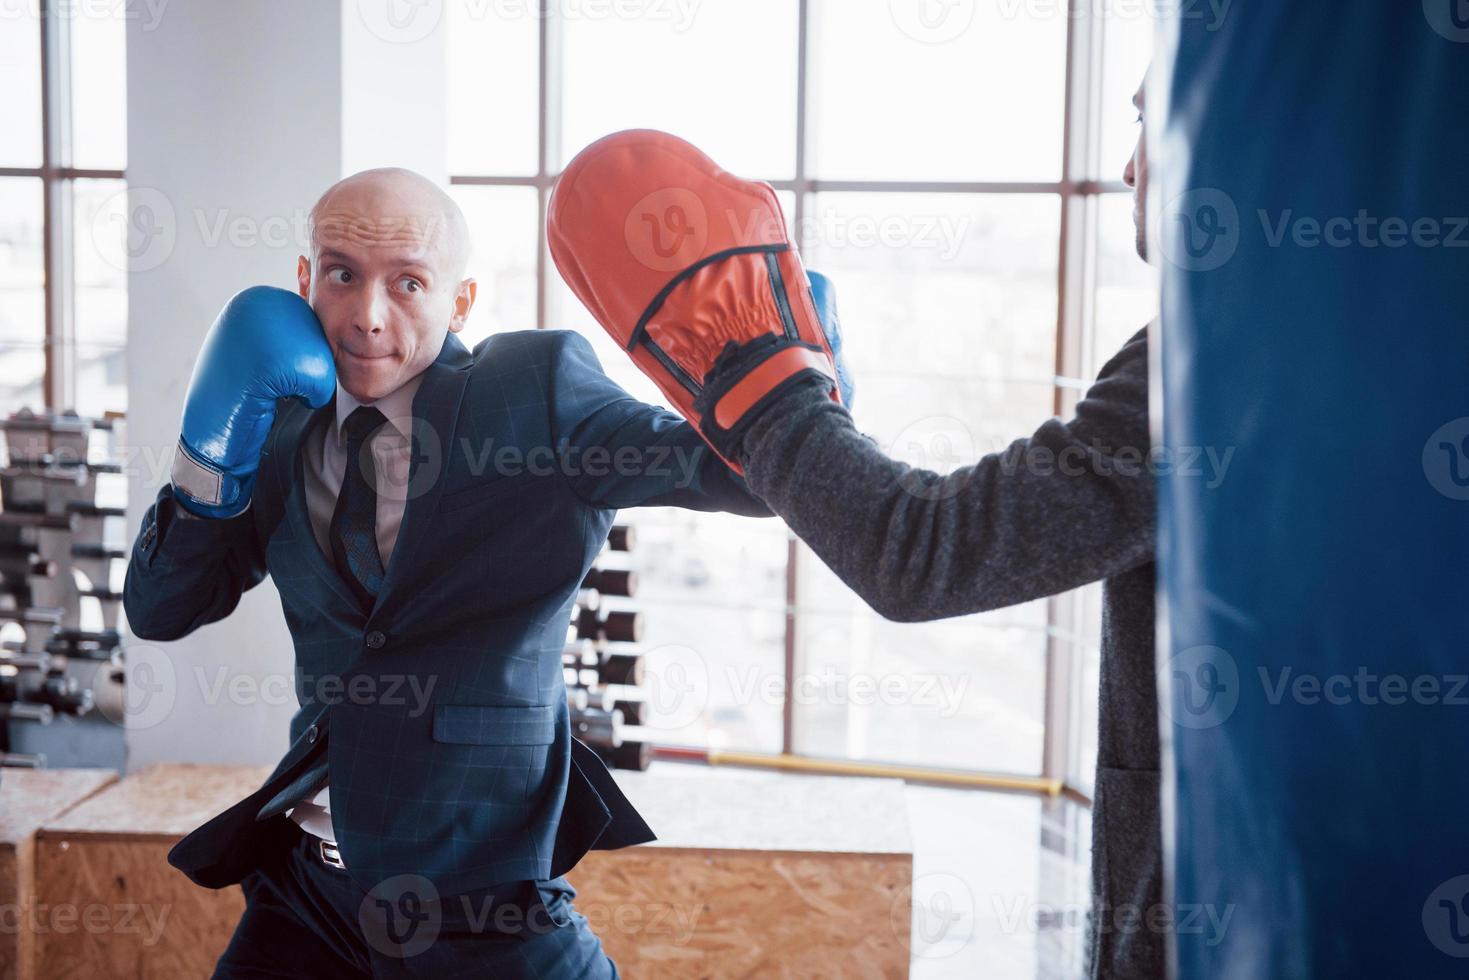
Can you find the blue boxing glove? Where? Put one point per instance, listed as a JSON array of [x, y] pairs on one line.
[[824, 296], [265, 345]]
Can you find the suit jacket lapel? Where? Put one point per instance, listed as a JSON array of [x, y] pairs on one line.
[[298, 421], [435, 418]]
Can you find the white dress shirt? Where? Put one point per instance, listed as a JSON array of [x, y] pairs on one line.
[[324, 464]]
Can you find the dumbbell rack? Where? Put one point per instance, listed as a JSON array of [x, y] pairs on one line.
[[603, 662], [54, 563]]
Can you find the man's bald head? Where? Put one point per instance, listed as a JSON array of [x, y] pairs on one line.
[[386, 276], [392, 206]]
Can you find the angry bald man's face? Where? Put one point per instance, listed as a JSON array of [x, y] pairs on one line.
[[384, 278]]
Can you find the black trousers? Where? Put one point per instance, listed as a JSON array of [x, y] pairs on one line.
[[306, 919]]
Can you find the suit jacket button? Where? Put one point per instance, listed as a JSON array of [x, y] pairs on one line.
[[376, 640], [312, 733]]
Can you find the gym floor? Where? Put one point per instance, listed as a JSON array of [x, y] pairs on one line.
[[999, 884]]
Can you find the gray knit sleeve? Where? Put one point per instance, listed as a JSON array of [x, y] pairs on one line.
[[1072, 504]]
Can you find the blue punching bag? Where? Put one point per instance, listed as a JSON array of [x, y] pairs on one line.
[[1311, 183]]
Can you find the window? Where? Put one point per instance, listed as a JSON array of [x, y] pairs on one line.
[[22, 291], [504, 222], [969, 207], [63, 232], [894, 99]]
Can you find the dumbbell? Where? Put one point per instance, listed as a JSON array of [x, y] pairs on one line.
[[618, 627], [629, 755], [595, 727], [633, 712], [621, 668], [612, 581], [580, 653]]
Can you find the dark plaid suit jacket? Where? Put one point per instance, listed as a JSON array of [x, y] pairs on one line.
[[522, 452]]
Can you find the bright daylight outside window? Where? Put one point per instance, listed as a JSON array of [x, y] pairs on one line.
[[935, 192]]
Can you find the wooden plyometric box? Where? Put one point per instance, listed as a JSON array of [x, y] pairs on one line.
[[29, 798], [754, 874], [107, 859]]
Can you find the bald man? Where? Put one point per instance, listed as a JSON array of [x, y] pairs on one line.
[[427, 513]]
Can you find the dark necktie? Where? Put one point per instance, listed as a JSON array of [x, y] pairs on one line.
[[354, 551], [354, 522]]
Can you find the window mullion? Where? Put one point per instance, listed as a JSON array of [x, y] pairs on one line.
[[548, 145], [792, 622], [1062, 680], [56, 139]]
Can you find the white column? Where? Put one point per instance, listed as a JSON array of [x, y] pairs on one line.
[[239, 116], [394, 87]]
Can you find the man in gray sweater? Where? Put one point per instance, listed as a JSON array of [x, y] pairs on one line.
[[1071, 504], [1015, 526], [690, 270]]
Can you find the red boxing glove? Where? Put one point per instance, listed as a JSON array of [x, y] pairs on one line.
[[691, 271]]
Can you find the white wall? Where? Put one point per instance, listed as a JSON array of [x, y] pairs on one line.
[[395, 86], [239, 116]]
